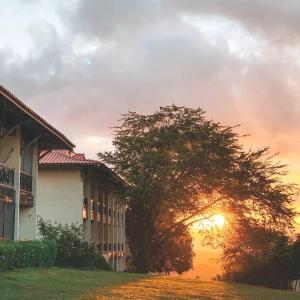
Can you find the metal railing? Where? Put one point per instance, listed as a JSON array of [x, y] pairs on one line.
[[6, 176], [25, 182], [26, 197]]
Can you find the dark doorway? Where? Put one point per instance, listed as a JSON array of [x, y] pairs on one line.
[[7, 213]]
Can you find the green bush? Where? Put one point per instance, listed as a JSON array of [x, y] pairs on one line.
[[101, 263], [36, 254], [72, 250], [27, 254], [7, 256]]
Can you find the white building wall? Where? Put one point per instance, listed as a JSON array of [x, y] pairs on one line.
[[59, 194]]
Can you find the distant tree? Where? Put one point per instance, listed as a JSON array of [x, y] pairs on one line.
[[295, 253], [257, 256], [182, 167]]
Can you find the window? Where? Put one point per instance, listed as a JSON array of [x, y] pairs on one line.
[[27, 155]]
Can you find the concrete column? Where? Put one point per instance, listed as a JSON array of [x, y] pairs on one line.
[[16, 158], [17, 201], [113, 231]]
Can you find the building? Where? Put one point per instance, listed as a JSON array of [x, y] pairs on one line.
[[23, 136], [73, 189]]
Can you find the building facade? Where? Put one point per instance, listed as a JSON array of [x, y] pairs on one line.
[[73, 189], [23, 136]]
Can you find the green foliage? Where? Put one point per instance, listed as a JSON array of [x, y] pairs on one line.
[[181, 166], [72, 250], [101, 263], [27, 254], [259, 257], [295, 253], [7, 256]]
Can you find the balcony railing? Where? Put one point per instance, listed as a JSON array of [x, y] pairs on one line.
[[25, 182], [26, 197], [6, 176]]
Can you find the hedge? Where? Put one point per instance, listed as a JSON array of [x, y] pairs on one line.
[[27, 254]]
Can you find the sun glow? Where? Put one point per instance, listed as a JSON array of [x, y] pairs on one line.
[[219, 220], [215, 221]]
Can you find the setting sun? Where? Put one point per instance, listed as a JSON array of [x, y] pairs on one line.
[[214, 221], [219, 220]]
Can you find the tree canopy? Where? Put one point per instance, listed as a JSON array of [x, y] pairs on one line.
[[181, 167]]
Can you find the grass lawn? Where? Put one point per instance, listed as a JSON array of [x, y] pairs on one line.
[[87, 285], [60, 284]]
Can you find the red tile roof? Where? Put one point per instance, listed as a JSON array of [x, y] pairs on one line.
[[66, 157], [34, 116]]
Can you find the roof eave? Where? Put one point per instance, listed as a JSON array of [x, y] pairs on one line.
[[21, 106]]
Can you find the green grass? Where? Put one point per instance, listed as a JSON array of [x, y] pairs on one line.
[[52, 284], [176, 288], [87, 285]]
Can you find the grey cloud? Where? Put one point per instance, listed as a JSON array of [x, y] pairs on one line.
[[108, 19], [277, 20], [147, 58]]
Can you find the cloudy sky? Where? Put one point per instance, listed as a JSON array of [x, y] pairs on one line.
[[82, 63]]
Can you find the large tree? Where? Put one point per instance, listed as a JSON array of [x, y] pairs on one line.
[[181, 167]]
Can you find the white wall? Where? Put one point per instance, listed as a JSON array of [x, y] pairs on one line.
[[59, 195]]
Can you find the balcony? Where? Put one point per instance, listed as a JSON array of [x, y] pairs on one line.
[[25, 182], [6, 176], [26, 197]]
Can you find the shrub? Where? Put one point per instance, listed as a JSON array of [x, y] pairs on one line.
[[36, 254], [72, 250], [7, 256], [27, 254], [101, 263]]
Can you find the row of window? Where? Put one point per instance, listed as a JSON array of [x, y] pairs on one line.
[[103, 210], [109, 247]]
